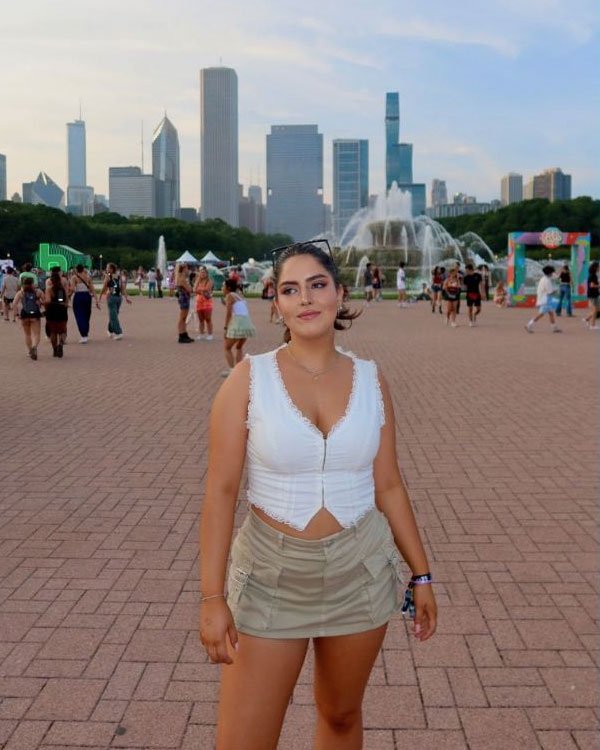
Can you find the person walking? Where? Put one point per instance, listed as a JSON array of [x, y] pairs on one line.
[[401, 285], [565, 291], [377, 284], [545, 301], [28, 302], [451, 289], [184, 293], [593, 297], [56, 301], [329, 517], [238, 326], [473, 282], [8, 292], [139, 279], [115, 288], [82, 291], [151, 283], [437, 281], [203, 289], [368, 284], [159, 283]]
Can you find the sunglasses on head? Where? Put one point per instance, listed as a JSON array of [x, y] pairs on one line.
[[321, 244]]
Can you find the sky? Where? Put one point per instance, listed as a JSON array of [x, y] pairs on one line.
[[485, 88]]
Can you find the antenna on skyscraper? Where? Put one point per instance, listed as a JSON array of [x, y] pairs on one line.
[[142, 141], [80, 109]]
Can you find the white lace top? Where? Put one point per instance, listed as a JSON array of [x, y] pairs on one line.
[[293, 469]]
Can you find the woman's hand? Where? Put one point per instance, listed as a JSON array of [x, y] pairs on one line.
[[127, 300], [216, 625], [425, 611]]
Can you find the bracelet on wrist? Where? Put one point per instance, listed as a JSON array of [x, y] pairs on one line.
[[421, 580], [212, 596]]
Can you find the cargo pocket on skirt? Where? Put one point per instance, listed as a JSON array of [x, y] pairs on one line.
[[383, 583]]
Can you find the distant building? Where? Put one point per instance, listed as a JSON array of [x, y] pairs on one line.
[[219, 144], [80, 196], [188, 214], [165, 169], [44, 191], [551, 184], [16, 198], [398, 157], [252, 210], [462, 208], [350, 181], [295, 181], [511, 188], [130, 192], [439, 192], [2, 177]]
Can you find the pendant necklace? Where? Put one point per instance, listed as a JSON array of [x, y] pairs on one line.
[[315, 374]]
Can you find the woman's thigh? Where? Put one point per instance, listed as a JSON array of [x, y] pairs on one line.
[[256, 690], [342, 668], [240, 343]]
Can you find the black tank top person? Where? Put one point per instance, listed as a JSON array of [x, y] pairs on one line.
[[114, 284], [565, 277]]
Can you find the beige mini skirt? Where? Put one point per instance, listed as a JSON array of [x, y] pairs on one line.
[[280, 586]]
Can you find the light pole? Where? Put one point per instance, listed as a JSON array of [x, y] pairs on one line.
[[100, 262]]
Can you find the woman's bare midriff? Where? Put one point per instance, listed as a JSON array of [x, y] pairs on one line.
[[322, 524]]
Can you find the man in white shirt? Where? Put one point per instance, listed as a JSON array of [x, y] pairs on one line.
[[401, 285], [545, 302]]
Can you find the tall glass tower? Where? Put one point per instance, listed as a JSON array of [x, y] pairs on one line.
[[398, 156], [350, 181], [219, 144], [165, 169], [2, 177], [80, 196], [295, 181]]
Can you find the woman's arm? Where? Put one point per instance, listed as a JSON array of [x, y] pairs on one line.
[[226, 456], [392, 500], [228, 308], [16, 304]]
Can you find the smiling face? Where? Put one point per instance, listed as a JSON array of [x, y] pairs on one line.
[[307, 297]]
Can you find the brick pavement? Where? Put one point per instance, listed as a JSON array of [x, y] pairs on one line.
[[101, 478]]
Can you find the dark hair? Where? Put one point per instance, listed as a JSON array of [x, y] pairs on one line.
[[402, 264], [325, 260], [593, 267], [26, 266], [111, 268], [548, 270], [27, 281], [231, 285], [79, 267], [369, 265], [56, 277], [469, 267], [9, 270]]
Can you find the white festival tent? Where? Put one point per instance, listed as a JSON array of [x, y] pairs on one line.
[[210, 257], [187, 258]]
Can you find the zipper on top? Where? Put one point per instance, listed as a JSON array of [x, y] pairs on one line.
[[323, 473]]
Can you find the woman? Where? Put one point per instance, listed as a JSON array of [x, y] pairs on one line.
[[82, 290], [184, 293], [500, 297], [159, 283], [316, 556], [377, 284], [29, 301], [115, 288], [139, 279], [593, 297], [451, 288], [238, 326], [545, 301], [437, 281], [203, 289], [56, 300]]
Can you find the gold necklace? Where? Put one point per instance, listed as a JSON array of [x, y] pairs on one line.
[[315, 374]]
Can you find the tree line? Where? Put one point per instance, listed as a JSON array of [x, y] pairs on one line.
[[577, 215], [127, 242], [133, 242]]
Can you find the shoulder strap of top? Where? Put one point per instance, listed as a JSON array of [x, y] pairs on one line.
[[260, 389], [373, 382]]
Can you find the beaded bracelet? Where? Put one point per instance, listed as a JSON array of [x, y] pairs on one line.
[[421, 579]]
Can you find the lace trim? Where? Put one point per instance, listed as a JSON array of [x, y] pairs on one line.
[[280, 519], [251, 394], [380, 404], [302, 416]]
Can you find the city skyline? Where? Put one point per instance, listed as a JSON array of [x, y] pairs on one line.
[[462, 79]]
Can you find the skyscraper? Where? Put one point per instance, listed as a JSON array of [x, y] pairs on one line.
[[219, 144], [350, 181], [131, 193], [2, 177], [295, 181], [80, 196], [511, 188], [439, 192], [398, 156], [165, 168], [551, 184], [44, 191]]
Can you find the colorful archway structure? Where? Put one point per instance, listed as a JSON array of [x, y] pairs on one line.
[[579, 242]]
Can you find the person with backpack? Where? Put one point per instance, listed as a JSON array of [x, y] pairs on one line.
[[29, 300], [83, 290], [115, 288], [57, 297]]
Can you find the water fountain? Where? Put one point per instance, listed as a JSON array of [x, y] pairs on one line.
[[386, 233], [161, 256]]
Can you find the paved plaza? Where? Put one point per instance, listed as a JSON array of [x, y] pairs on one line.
[[103, 461]]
